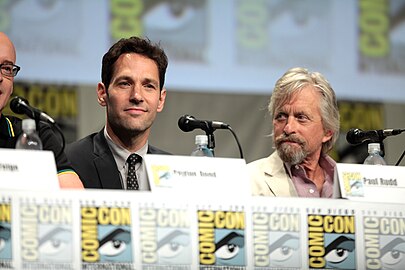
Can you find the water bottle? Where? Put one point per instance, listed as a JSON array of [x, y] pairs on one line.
[[29, 138], [202, 149], [374, 157]]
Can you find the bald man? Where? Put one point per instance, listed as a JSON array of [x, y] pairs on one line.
[[11, 127]]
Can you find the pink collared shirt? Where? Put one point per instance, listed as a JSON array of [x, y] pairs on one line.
[[305, 187]]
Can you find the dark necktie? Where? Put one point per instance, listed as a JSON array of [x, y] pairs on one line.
[[132, 180]]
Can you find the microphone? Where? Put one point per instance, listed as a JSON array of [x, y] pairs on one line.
[[20, 105], [189, 123], [357, 136]]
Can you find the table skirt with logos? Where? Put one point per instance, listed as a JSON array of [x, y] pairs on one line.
[[100, 229]]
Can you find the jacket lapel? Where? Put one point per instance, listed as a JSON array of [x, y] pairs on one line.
[[105, 164], [277, 178]]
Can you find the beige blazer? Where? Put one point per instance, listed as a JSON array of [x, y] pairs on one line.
[[269, 178]]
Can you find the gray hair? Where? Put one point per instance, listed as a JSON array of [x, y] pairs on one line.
[[292, 82]]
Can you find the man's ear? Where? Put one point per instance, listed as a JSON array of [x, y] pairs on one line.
[[327, 136], [101, 94], [162, 99]]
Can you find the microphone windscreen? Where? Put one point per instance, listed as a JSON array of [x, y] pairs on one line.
[[15, 105], [184, 123], [352, 137]]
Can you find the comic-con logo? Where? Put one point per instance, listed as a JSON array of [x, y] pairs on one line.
[[46, 234], [165, 236], [5, 231], [221, 237], [331, 242], [106, 234], [384, 242], [276, 241]]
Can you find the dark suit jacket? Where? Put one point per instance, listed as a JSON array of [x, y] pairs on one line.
[[93, 161]]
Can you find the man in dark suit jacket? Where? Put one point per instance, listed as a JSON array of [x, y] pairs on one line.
[[95, 164], [133, 74]]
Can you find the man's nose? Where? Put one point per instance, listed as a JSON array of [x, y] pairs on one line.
[[136, 93], [290, 126]]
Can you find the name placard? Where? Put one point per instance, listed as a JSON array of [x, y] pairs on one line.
[[28, 169], [198, 175], [371, 182]]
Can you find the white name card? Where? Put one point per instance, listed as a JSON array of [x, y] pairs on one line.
[[206, 176], [28, 169], [372, 183]]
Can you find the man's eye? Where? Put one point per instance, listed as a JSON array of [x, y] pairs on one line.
[[7, 68], [281, 116], [302, 117], [123, 83], [151, 86]]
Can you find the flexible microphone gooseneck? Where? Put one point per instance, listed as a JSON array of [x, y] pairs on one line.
[[188, 123], [357, 136], [20, 105]]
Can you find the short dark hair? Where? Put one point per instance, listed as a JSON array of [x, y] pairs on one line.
[[142, 46]]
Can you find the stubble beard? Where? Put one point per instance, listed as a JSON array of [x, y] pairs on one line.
[[127, 128]]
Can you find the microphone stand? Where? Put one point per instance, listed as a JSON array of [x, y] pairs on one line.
[[382, 148], [210, 134], [209, 130]]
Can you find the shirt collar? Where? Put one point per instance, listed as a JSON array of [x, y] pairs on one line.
[[326, 163], [120, 153]]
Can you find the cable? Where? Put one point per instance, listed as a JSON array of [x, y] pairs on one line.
[[237, 141], [399, 161]]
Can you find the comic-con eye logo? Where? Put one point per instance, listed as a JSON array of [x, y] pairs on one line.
[[115, 244], [221, 238], [392, 252], [106, 234], [5, 231], [55, 243], [339, 251], [331, 242], [229, 247], [5, 241], [276, 241], [164, 236], [173, 246], [284, 251], [384, 242]]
